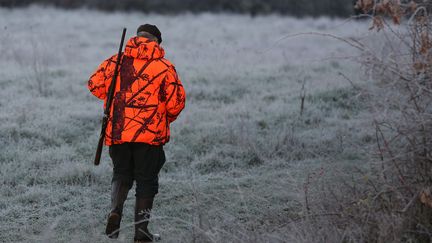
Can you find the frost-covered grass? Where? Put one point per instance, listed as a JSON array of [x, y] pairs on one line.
[[240, 153]]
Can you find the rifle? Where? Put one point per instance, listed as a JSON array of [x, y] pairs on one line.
[[110, 96]]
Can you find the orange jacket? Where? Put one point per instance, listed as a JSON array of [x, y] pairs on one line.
[[148, 94]]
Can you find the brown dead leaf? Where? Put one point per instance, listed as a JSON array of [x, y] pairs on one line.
[[377, 23], [426, 197], [412, 6], [387, 8], [365, 5], [380, 8], [419, 66], [426, 43], [396, 19], [395, 11]]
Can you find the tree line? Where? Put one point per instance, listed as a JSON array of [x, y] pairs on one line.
[[341, 8]]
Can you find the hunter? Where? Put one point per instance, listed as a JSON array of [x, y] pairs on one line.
[[148, 98]]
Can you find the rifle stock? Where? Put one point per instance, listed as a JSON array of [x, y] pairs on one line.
[[110, 96]]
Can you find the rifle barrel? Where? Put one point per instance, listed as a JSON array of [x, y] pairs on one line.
[[110, 97]]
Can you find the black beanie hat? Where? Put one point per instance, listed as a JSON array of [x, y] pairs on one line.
[[152, 29]]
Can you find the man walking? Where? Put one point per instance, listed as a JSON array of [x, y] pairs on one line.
[[148, 97]]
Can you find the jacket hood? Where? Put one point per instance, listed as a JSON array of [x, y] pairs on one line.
[[142, 48]]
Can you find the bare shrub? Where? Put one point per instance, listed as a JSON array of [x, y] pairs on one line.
[[391, 202]]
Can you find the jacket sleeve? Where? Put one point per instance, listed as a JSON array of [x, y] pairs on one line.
[[176, 96], [100, 80]]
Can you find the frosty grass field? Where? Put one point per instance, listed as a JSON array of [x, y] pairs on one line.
[[240, 153]]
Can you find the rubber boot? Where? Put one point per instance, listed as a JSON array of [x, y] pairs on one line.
[[143, 208], [119, 193]]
